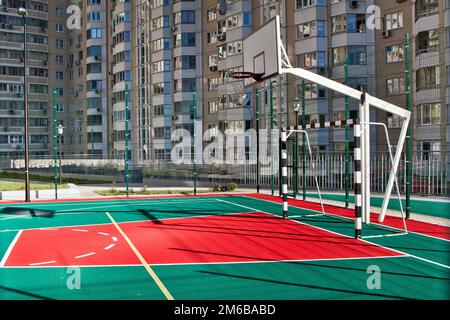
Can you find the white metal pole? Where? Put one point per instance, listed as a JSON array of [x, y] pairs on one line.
[[367, 160]]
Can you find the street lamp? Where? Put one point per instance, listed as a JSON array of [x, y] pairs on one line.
[[23, 13], [60, 133]]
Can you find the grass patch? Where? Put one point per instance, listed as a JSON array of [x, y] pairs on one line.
[[17, 186], [49, 179]]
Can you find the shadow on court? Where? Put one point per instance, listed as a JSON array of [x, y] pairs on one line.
[[16, 211], [24, 293]]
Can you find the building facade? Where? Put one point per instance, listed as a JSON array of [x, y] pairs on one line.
[[174, 54]]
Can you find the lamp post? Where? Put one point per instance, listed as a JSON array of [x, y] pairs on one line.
[[297, 106], [23, 13], [60, 134]]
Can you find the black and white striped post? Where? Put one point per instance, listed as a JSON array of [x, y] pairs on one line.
[[358, 180], [283, 146]]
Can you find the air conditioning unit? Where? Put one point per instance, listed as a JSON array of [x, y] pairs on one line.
[[213, 68], [385, 33], [78, 45], [10, 26], [44, 29], [99, 109], [353, 4], [174, 28], [78, 62], [19, 95], [174, 117], [5, 129], [5, 9], [44, 62], [11, 111], [213, 139], [3, 26], [97, 58], [222, 36], [70, 65], [321, 70]]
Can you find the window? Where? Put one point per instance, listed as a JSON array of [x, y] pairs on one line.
[[393, 120], [185, 39], [184, 16], [395, 86], [94, 16], [426, 7], [60, 12], [161, 22], [311, 29], [59, 43], [94, 33], [213, 106], [301, 4], [185, 62], [427, 77], [213, 84], [211, 14], [394, 20], [59, 75], [158, 110], [429, 114], [211, 37], [59, 27], [59, 107], [395, 53], [356, 55], [314, 59], [427, 41], [161, 44], [59, 59]]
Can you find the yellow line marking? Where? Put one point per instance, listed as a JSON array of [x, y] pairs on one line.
[[146, 265]]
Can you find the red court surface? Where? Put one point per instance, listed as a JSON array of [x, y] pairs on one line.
[[241, 237], [433, 230]]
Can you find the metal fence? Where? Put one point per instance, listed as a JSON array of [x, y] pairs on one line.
[[430, 171]]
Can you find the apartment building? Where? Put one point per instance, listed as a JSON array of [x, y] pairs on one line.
[[164, 51], [11, 77], [120, 75], [168, 74], [430, 33]]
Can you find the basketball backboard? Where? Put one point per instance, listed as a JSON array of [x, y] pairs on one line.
[[262, 51]]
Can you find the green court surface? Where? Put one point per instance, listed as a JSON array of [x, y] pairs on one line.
[[413, 266], [431, 207]]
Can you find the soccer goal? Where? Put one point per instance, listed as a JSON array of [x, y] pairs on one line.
[[265, 56]]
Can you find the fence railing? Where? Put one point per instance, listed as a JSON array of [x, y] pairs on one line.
[[430, 171]]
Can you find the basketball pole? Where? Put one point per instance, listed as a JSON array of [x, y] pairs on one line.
[[272, 183], [408, 134], [193, 141], [347, 142], [257, 138], [304, 140]]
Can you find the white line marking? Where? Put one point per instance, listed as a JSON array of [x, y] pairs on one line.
[[10, 247], [41, 263], [51, 229], [85, 255], [103, 233], [114, 238], [349, 218], [79, 230], [220, 263], [134, 221], [371, 243], [109, 247]]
